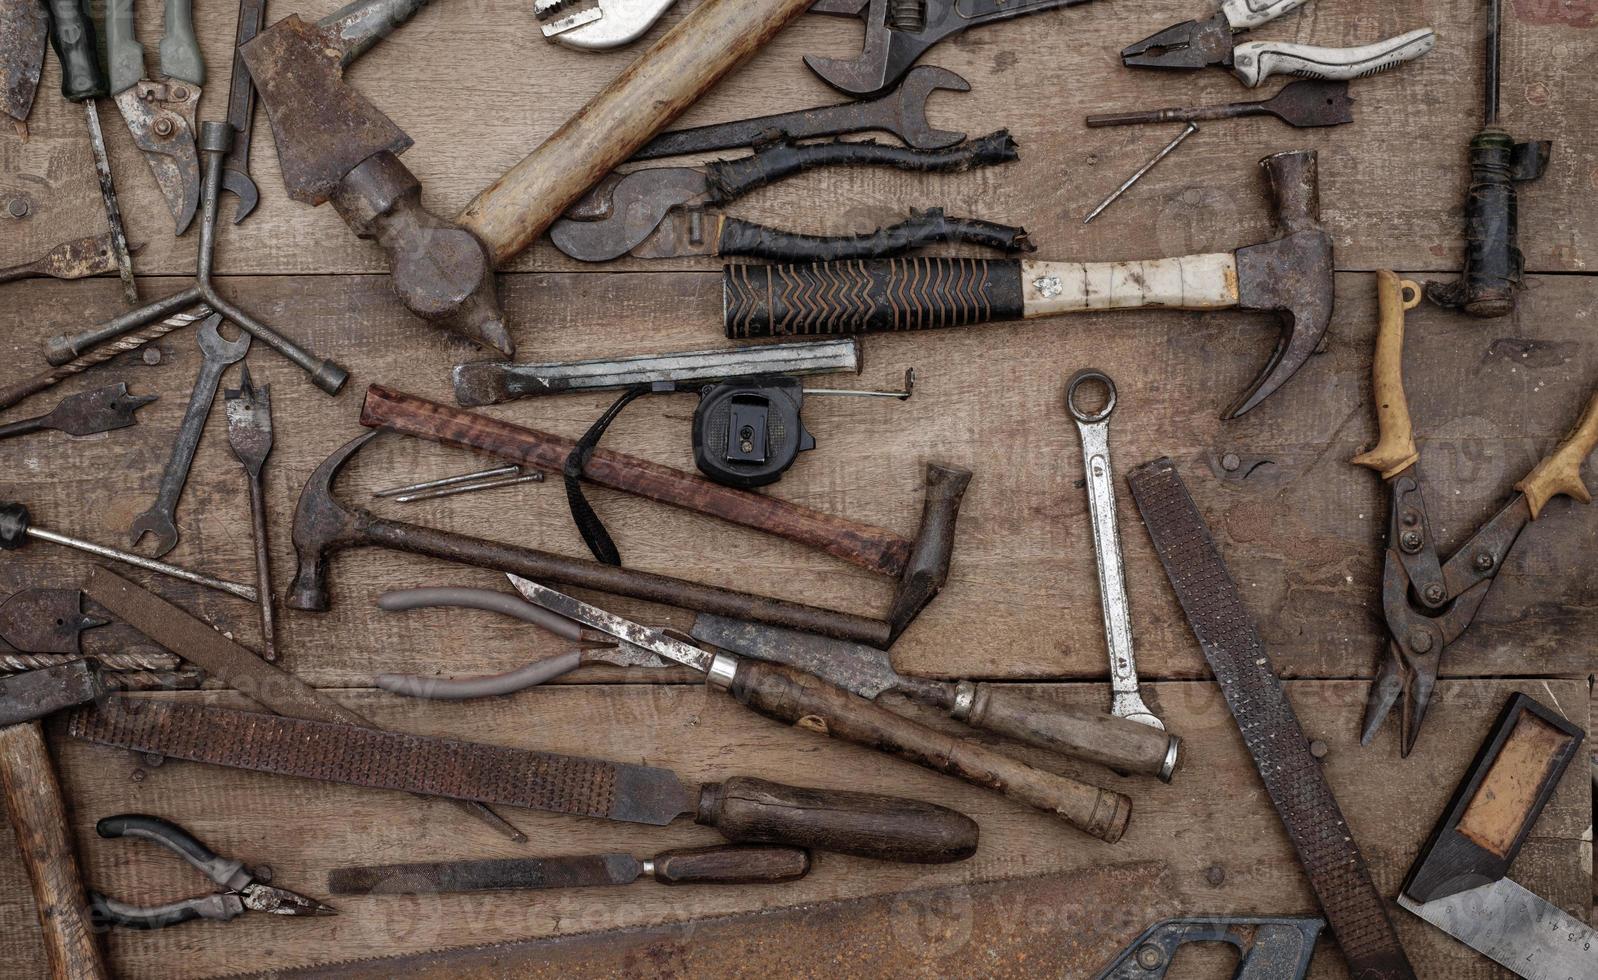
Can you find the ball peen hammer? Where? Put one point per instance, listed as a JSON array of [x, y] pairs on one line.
[[334, 145]]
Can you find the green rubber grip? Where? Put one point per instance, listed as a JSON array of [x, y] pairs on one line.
[[72, 36], [180, 51], [124, 55]]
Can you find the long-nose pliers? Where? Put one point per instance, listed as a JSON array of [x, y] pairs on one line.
[[1427, 602]]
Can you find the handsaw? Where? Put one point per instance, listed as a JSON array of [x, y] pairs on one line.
[[23, 29], [1046, 926]]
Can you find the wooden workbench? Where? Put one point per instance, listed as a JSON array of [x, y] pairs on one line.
[[1301, 529]]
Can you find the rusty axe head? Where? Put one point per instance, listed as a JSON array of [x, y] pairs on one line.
[[32, 695], [335, 145], [1291, 276]]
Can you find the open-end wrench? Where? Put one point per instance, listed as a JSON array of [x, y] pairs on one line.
[[1094, 428], [902, 112], [218, 353], [241, 114]]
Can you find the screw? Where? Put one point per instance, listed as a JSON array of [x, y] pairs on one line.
[[163, 127], [1411, 541], [1484, 562], [263, 873], [1419, 641], [18, 207], [1149, 956], [152, 356], [1230, 462], [1319, 749], [1435, 594], [137, 775], [152, 759], [1215, 875]]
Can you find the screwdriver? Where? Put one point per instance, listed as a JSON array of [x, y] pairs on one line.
[[16, 527], [72, 36]]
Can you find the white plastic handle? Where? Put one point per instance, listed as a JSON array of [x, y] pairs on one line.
[[1246, 14], [1258, 60], [1191, 282]]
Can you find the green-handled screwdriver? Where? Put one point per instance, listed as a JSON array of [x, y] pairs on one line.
[[72, 36]]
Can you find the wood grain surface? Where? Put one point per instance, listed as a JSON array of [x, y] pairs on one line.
[[1300, 528]]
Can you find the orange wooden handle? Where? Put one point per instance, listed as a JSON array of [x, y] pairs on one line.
[[33, 800], [1560, 471], [1395, 449]]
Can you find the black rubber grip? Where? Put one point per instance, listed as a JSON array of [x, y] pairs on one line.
[[923, 228], [160, 831], [106, 912], [728, 180], [1493, 261], [72, 36], [14, 520], [867, 297]]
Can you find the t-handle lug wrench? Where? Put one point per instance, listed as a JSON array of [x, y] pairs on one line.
[[1094, 428]]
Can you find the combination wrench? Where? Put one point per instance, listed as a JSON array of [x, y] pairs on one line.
[[1094, 428], [218, 353]]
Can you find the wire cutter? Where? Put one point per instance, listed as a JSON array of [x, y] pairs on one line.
[[1201, 43], [1427, 602], [160, 112], [245, 889]]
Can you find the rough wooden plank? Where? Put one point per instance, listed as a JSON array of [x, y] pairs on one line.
[[477, 89], [1301, 529], [1213, 816]]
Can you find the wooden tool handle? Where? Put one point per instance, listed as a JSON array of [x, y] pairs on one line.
[[644, 99], [1395, 449], [889, 828], [1120, 743], [871, 548], [802, 699], [1560, 471], [866, 297], [752, 865], [33, 801]]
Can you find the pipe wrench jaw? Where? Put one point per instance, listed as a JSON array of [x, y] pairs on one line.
[[1191, 45], [594, 25]]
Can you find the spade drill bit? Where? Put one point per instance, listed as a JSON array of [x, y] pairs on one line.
[[72, 36], [249, 432]]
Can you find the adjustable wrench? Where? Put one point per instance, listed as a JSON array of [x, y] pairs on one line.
[[902, 112], [1094, 428], [218, 353]]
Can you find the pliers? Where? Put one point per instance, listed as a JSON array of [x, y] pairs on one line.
[[593, 646], [1201, 43], [160, 112], [1427, 602], [245, 890]]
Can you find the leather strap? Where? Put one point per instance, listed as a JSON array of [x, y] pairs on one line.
[[1271, 732]]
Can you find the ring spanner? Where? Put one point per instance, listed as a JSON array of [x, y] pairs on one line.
[[1094, 428]]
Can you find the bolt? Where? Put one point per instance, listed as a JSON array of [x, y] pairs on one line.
[[1411, 541], [163, 127], [1410, 518], [18, 207], [1215, 875], [1435, 594], [137, 775], [1484, 562], [1419, 641], [1149, 956], [152, 356], [263, 873], [180, 94], [152, 759], [1230, 462], [1319, 749]]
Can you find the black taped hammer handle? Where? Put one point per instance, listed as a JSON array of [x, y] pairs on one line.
[[1122, 744], [869, 297], [801, 699], [33, 802], [890, 828]]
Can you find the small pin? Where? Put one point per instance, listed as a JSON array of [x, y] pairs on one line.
[[1169, 148]]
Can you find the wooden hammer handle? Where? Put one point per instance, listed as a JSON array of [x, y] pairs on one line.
[[872, 548], [806, 701], [33, 801], [683, 65], [1395, 447]]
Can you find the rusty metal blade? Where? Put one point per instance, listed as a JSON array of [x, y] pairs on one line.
[[370, 757], [45, 621], [432, 877], [160, 115], [1058, 925], [75, 259], [249, 421], [22, 33]]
